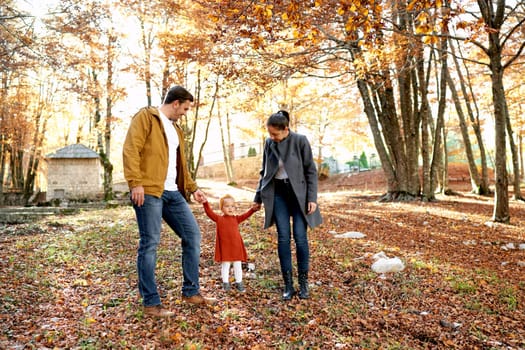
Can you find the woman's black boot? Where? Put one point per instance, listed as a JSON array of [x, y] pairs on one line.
[[288, 285], [303, 285]]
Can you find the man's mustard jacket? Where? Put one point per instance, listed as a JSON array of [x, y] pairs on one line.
[[145, 155]]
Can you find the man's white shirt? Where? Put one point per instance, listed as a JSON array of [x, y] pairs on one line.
[[173, 143]]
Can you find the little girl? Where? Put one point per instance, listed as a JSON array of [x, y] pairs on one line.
[[229, 247]]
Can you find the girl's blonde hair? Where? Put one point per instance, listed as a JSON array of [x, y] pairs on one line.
[[223, 198]]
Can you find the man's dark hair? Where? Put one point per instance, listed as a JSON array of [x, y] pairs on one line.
[[178, 93], [279, 120]]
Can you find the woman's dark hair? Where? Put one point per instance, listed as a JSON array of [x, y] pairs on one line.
[[285, 113], [279, 120], [178, 93]]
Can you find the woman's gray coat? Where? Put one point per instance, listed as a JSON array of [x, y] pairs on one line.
[[296, 154]]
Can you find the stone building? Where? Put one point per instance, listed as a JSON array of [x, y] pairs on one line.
[[74, 172]]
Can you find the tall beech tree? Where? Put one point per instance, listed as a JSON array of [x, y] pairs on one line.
[[23, 103], [495, 16]]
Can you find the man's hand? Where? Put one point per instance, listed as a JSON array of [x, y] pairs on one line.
[[200, 196], [137, 195]]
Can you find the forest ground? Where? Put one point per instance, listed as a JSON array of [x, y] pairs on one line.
[[70, 281]]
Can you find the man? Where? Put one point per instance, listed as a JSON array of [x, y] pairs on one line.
[[156, 171]]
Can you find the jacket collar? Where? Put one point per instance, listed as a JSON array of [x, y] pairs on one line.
[[280, 149]]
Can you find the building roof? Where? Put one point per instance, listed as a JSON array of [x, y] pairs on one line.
[[74, 151]]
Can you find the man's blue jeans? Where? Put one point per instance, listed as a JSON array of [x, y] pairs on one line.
[[285, 206], [175, 211]]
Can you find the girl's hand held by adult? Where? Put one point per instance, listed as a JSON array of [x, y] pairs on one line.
[[200, 196]]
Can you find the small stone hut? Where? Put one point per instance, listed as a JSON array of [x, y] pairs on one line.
[[74, 172]]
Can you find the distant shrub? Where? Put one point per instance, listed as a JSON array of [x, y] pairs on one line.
[[363, 161]]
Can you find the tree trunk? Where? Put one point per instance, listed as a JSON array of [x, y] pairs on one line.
[[515, 160], [322, 123], [102, 138], [382, 152], [190, 131], [393, 161], [17, 168], [231, 152], [226, 152], [225, 149], [493, 18], [426, 117], [207, 129], [446, 189], [501, 205], [147, 46], [437, 156], [3, 136], [165, 75], [34, 152], [396, 136], [2, 165], [483, 184], [409, 99], [473, 170], [33, 161], [106, 153], [520, 151]]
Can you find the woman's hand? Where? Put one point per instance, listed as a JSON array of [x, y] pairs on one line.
[[312, 206]]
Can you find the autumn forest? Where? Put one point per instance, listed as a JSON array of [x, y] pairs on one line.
[[406, 74]]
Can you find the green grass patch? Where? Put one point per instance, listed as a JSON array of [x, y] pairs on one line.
[[508, 296], [462, 286]]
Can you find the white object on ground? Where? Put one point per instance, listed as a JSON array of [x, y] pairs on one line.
[[508, 246], [351, 234], [384, 264], [380, 255]]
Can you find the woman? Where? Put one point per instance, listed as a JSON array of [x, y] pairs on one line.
[[288, 189]]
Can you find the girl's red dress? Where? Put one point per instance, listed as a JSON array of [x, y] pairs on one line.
[[228, 241]]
